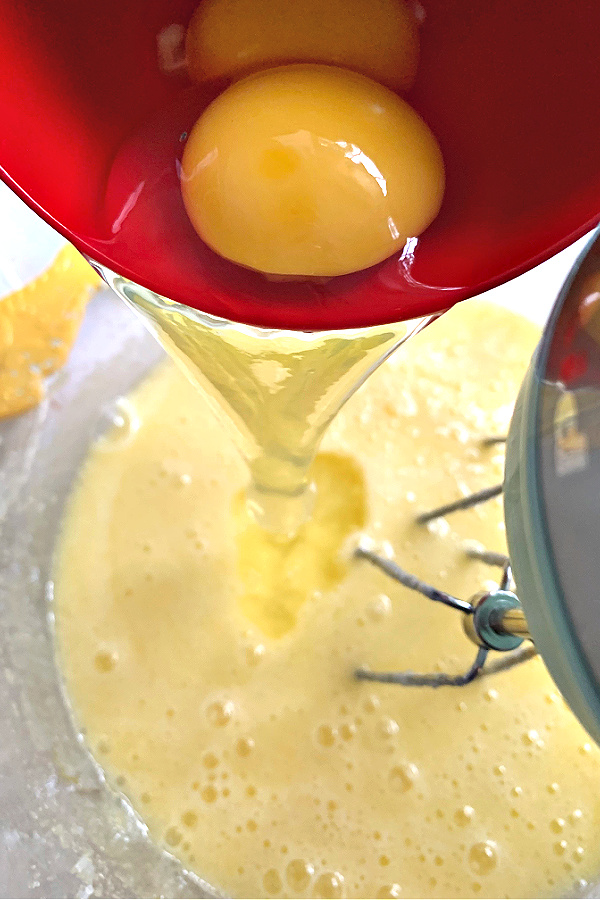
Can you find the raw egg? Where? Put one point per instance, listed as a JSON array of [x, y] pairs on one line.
[[229, 38], [310, 170]]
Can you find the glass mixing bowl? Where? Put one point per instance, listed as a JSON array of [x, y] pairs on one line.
[[64, 832]]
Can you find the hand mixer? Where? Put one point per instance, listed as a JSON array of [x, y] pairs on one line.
[[506, 90], [551, 502]]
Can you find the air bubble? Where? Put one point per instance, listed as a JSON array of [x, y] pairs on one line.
[[531, 737], [403, 777], [255, 654], [272, 882], [244, 746], [384, 860], [575, 816], [557, 825], [326, 735], [173, 836], [209, 793], [491, 694], [347, 731], [103, 746], [553, 788], [439, 527], [388, 727], [189, 819], [372, 703], [585, 749], [210, 760], [220, 713], [560, 847], [389, 891], [578, 854], [298, 875], [251, 825], [380, 607], [329, 885], [105, 660], [124, 422], [483, 857]]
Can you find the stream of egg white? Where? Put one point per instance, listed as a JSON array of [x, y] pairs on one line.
[[275, 391]]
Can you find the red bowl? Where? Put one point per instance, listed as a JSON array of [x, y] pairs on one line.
[[90, 139]]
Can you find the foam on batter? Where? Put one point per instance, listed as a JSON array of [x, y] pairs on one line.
[[212, 668]]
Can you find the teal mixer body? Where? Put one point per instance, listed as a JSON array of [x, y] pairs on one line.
[[552, 491]]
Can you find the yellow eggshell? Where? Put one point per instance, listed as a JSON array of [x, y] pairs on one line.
[[38, 326], [310, 171]]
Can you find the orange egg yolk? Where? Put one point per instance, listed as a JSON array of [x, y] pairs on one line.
[[310, 171], [230, 38]]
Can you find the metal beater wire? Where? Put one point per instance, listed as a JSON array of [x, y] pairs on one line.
[[434, 680], [464, 503], [489, 557], [412, 582]]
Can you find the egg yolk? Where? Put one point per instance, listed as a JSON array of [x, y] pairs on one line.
[[310, 171], [228, 38]]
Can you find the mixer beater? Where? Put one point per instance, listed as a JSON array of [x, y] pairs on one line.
[[492, 619]]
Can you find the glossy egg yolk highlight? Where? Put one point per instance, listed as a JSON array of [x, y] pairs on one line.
[[230, 38], [310, 171]]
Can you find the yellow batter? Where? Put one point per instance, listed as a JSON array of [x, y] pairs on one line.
[[210, 665]]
